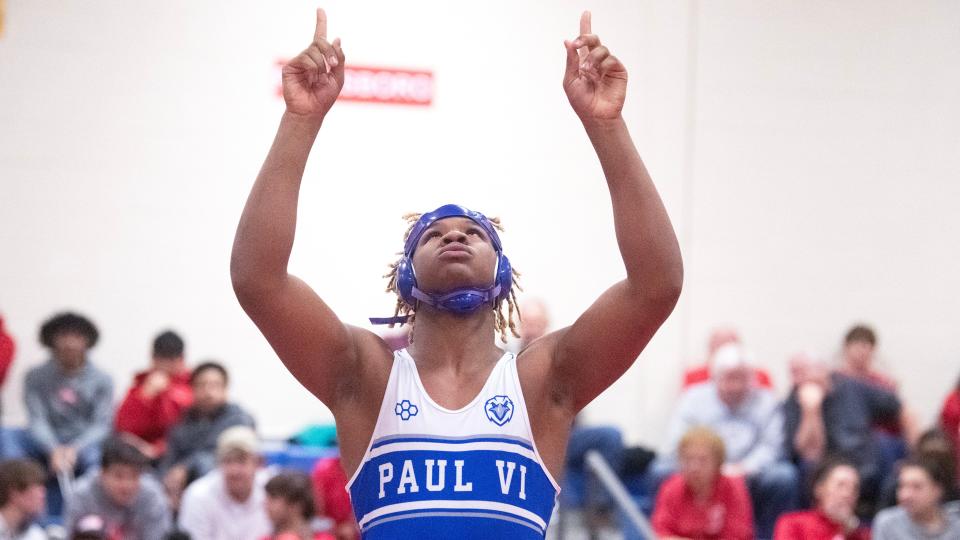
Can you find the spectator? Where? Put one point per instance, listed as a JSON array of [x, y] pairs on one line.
[[932, 444], [157, 397], [290, 507], [192, 442], [332, 498], [718, 338], [749, 420], [69, 401], [836, 487], [7, 350], [950, 419], [859, 348], [700, 502], [925, 482], [22, 495], [935, 443], [892, 434], [130, 504], [832, 413], [229, 502]]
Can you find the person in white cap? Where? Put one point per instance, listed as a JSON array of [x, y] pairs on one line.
[[749, 419], [228, 503]]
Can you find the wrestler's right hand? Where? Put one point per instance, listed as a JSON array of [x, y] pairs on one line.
[[313, 79]]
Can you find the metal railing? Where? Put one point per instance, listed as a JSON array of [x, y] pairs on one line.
[[608, 480]]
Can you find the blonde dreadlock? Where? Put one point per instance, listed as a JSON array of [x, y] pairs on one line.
[[503, 323]]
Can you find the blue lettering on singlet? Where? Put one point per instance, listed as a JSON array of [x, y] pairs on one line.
[[431, 487]]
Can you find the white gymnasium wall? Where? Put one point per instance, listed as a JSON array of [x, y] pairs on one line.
[[810, 170]]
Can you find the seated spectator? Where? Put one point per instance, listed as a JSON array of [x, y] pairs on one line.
[[22, 499], [229, 503], [332, 499], [950, 419], [7, 350], [932, 444], [718, 338], [836, 487], [859, 348], [157, 398], [192, 442], [290, 507], [749, 420], [130, 504], [893, 435], [832, 413], [925, 483], [69, 401], [700, 502]]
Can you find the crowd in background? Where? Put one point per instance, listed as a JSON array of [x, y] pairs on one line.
[[841, 456], [174, 459]]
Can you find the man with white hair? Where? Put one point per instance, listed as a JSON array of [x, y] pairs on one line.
[[749, 419], [719, 337], [229, 502]]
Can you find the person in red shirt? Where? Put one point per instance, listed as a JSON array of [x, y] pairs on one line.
[[7, 348], [332, 498], [157, 398], [836, 487], [950, 422], [290, 507], [718, 338], [699, 502]]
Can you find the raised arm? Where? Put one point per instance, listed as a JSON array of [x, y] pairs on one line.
[[312, 342], [599, 347]]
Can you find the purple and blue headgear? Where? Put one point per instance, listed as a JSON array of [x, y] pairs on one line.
[[462, 300]]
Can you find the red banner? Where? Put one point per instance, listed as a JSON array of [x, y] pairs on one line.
[[383, 85]]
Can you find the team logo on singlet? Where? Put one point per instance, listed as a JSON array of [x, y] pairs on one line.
[[406, 410], [499, 409]]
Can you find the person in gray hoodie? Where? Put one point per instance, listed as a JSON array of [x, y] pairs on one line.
[[926, 482], [69, 401], [130, 504], [192, 443]]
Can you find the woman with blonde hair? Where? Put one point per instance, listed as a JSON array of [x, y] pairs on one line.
[[699, 502]]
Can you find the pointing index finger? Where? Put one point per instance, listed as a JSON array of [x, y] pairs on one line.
[[321, 32], [585, 23]]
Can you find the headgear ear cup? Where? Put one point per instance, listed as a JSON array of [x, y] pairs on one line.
[[504, 277], [406, 281]]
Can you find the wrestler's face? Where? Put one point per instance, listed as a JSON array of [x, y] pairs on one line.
[[454, 252]]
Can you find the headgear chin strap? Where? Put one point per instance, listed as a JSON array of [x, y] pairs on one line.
[[462, 300]]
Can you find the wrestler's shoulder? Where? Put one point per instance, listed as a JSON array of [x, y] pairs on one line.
[[370, 348]]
